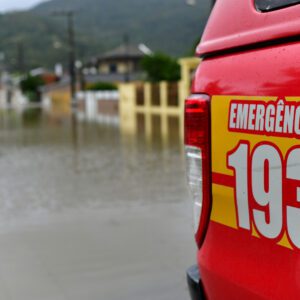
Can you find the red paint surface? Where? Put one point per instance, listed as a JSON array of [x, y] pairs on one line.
[[235, 23], [271, 71], [233, 264], [222, 179]]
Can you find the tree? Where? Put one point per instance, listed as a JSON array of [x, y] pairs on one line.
[[161, 67], [30, 87]]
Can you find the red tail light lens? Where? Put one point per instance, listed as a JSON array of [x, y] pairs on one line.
[[198, 160]]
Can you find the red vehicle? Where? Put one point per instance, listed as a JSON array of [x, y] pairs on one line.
[[243, 152]]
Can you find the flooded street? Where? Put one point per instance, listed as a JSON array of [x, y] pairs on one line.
[[87, 212]]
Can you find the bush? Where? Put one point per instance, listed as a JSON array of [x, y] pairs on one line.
[[31, 84], [30, 87], [161, 67], [102, 86]]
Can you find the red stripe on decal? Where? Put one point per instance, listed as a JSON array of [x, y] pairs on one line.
[[222, 179]]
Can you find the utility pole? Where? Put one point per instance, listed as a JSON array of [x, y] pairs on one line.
[[20, 57], [72, 55], [127, 57], [71, 49]]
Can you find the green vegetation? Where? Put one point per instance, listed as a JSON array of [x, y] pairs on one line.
[[35, 38], [102, 86], [161, 67], [30, 87]]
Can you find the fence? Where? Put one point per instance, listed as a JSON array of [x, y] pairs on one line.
[[98, 106], [156, 103]]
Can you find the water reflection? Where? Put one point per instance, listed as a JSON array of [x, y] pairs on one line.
[[32, 116], [56, 161]]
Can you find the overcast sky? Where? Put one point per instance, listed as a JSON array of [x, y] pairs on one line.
[[6, 5]]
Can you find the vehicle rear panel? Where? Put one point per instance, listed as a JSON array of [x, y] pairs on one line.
[[235, 24], [239, 263]]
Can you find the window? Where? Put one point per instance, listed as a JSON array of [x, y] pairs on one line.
[[269, 5], [113, 68]]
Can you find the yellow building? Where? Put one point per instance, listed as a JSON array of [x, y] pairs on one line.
[[59, 95]]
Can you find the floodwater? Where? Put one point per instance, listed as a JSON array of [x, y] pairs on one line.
[[88, 213]]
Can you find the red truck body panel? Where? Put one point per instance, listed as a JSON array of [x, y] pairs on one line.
[[232, 263]]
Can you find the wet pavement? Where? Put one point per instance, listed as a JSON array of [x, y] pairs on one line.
[[89, 213]]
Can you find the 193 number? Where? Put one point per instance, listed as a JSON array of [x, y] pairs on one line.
[[267, 190]]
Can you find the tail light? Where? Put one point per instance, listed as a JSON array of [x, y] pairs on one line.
[[198, 160]]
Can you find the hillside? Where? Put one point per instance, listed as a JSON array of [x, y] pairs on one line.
[[164, 25]]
